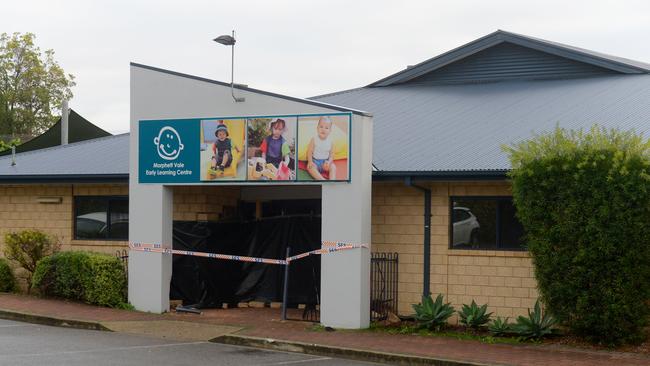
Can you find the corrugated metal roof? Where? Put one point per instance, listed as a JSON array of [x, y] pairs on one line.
[[612, 63], [462, 127], [101, 156], [507, 61]]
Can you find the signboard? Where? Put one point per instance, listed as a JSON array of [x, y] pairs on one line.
[[280, 149]]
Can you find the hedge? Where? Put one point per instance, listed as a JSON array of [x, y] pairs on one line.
[[7, 279], [584, 201], [94, 278]]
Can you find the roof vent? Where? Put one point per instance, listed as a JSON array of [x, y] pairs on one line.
[[13, 156]]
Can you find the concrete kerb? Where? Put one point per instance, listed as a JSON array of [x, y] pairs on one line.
[[56, 322], [263, 343], [342, 352]]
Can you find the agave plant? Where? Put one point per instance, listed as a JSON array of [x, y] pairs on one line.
[[537, 325], [432, 314], [474, 316], [499, 327]]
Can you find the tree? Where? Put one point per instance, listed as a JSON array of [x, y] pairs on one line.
[[32, 87], [584, 201]]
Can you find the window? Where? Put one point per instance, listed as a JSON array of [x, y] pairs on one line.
[[101, 217], [485, 223]]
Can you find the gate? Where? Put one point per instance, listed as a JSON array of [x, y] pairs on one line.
[[383, 285]]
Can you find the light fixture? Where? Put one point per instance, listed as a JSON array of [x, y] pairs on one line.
[[227, 40]]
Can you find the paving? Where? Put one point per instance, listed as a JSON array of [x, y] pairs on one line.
[[261, 327], [25, 344]]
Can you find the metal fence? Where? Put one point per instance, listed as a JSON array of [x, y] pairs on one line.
[[383, 285], [123, 255]]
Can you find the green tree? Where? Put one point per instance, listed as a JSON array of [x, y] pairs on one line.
[[32, 87]]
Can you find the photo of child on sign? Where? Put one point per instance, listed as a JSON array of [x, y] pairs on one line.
[[324, 148], [222, 149], [271, 148]]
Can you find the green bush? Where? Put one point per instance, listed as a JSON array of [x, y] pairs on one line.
[[106, 284], [27, 248], [7, 279], [62, 275], [537, 325], [94, 278], [432, 314], [500, 327], [584, 201], [474, 316]]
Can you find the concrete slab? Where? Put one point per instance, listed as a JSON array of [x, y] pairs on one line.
[[172, 329]]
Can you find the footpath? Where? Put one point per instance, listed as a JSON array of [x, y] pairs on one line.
[[262, 327]]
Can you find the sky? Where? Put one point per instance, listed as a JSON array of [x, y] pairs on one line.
[[298, 48]]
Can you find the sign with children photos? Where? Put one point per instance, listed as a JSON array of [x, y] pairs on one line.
[[272, 149]]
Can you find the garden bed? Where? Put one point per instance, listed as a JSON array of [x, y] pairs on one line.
[[482, 335]]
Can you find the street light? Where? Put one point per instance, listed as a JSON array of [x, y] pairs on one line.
[[227, 40]]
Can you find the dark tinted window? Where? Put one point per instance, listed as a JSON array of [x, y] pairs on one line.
[[101, 218], [493, 225]]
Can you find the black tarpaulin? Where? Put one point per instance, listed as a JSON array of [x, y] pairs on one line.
[[207, 282]]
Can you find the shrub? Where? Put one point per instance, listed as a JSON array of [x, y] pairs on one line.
[[94, 278], [474, 316], [537, 325], [7, 279], [584, 201], [106, 284], [432, 315], [62, 275], [27, 248], [500, 327]]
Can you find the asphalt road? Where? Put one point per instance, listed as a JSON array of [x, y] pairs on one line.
[[31, 344]]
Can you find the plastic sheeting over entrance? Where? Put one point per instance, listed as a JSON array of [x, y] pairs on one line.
[[209, 283]]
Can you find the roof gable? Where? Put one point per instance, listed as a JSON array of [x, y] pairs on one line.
[[507, 61], [503, 56]]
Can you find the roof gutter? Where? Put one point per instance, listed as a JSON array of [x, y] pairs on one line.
[[440, 175], [426, 271], [64, 178]]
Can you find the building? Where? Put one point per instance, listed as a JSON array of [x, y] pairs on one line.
[[440, 195]]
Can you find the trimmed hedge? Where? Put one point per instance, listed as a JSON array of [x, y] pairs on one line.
[[584, 201], [7, 279], [94, 278]]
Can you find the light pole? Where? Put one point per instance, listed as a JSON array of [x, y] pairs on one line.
[[227, 40]]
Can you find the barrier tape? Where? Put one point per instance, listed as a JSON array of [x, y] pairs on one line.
[[327, 247]]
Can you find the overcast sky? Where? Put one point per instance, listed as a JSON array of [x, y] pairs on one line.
[[298, 48]]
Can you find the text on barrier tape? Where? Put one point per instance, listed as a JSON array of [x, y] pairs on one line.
[[328, 247]]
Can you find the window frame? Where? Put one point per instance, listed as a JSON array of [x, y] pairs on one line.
[[497, 223], [108, 200]]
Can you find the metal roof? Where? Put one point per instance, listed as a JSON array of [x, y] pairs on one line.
[[104, 158], [613, 63], [441, 129]]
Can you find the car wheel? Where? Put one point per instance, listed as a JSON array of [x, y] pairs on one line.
[[473, 239]]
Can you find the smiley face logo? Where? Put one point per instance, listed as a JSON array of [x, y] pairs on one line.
[[168, 143]]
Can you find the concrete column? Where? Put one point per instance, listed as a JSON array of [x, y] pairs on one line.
[[150, 214], [346, 216]]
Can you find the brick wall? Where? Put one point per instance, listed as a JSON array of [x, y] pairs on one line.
[[19, 209], [502, 279], [201, 203]]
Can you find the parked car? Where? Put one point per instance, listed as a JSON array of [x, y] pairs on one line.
[[465, 227]]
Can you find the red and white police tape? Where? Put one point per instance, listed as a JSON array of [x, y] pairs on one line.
[[327, 247]]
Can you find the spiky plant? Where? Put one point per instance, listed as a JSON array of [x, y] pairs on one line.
[[432, 314], [474, 316]]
